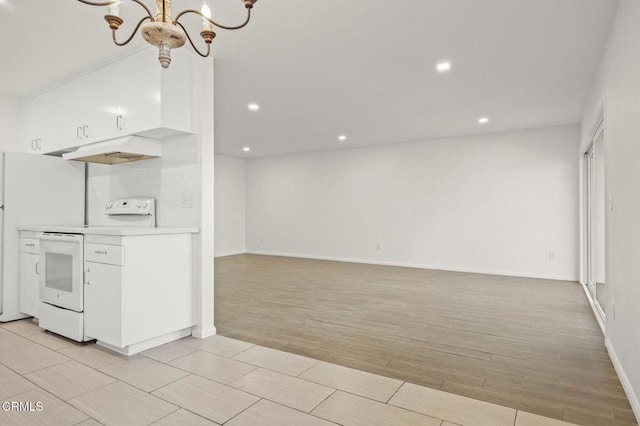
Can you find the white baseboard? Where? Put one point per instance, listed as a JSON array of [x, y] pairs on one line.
[[593, 307], [147, 344], [626, 385], [199, 333], [423, 266], [229, 253]]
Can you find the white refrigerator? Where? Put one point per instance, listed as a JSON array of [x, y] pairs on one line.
[[34, 190]]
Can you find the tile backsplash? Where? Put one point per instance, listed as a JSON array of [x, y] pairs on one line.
[[173, 180]]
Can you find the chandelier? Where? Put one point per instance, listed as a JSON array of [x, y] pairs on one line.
[[164, 32]]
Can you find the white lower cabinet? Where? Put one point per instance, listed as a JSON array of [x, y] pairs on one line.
[[29, 282], [103, 302], [29, 275], [138, 290]]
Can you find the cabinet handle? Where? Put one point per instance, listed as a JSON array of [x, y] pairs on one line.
[[78, 130], [85, 131], [100, 252], [38, 143], [118, 117], [33, 142], [38, 268], [30, 245]]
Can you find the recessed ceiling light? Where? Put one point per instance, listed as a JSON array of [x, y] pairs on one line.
[[246, 149], [483, 120], [443, 66], [253, 107], [342, 138]]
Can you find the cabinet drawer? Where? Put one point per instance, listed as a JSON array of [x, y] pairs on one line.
[[30, 245], [104, 253]]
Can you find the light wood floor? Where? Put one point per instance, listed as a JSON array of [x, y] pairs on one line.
[[524, 343]]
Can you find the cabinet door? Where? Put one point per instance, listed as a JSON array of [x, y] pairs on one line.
[[66, 116], [29, 283], [103, 302], [101, 89], [29, 124], [48, 120], [178, 92], [139, 93]]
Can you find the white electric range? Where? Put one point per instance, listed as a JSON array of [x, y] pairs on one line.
[[63, 250]]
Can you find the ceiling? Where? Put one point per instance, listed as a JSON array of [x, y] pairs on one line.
[[365, 69]]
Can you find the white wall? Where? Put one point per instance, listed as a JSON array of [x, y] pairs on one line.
[[9, 123], [496, 204], [173, 180], [618, 87], [230, 235]]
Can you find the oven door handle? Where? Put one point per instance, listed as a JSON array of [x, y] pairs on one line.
[[60, 237]]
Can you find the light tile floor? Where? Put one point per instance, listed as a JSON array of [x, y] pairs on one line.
[[214, 381]]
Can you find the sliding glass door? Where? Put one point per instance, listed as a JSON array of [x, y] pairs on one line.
[[595, 229]]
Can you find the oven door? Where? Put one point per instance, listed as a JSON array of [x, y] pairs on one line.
[[61, 275]]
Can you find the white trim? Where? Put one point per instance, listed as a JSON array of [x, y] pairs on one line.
[[594, 306], [199, 333], [626, 385], [230, 253], [596, 121], [423, 266], [597, 130], [147, 344], [204, 252]]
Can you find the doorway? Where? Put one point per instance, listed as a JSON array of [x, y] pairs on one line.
[[595, 227]]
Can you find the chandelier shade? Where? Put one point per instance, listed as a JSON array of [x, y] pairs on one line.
[[162, 30]]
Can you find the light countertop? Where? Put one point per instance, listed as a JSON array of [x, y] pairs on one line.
[[107, 230]]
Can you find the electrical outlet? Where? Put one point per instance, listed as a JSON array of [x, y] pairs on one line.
[[552, 256]]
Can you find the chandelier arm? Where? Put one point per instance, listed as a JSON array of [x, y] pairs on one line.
[[109, 3], [192, 44], [135, 31], [224, 27]]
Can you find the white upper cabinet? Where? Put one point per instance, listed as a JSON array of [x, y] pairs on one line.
[[161, 103], [29, 125], [139, 107], [131, 96], [37, 122], [99, 118], [63, 115]]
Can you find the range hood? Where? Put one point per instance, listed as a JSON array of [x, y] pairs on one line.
[[117, 151]]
